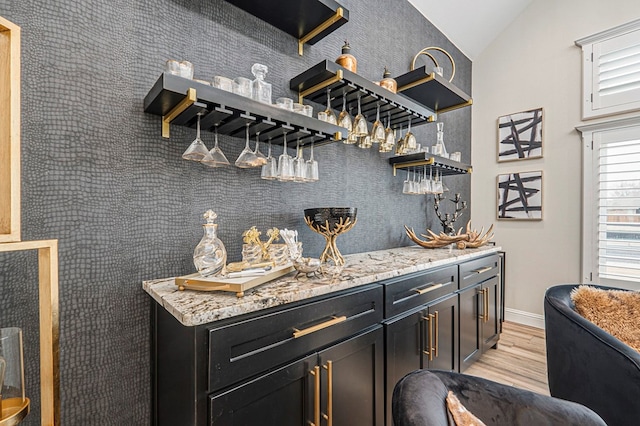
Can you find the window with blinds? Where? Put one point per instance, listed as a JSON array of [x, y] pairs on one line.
[[616, 157], [611, 71]]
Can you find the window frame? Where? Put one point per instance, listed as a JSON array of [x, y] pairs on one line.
[[589, 45], [590, 159]]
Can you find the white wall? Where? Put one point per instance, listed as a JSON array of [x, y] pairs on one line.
[[534, 63]]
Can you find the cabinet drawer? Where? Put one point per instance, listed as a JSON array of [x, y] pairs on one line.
[[478, 270], [245, 348], [407, 292]]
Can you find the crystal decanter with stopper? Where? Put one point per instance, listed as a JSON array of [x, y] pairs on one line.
[[210, 255], [261, 90]]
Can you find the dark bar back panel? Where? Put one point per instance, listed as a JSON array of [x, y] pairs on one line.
[[97, 175]]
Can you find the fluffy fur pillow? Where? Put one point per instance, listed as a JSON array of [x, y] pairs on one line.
[[614, 311], [461, 416]]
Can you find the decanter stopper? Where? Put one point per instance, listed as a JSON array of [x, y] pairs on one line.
[[210, 255]]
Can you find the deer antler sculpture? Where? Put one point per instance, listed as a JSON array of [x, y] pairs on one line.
[[470, 239]]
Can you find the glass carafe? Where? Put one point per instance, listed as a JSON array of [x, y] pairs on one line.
[[210, 255], [261, 90]]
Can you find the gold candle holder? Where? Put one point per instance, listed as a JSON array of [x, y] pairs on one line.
[[331, 222]]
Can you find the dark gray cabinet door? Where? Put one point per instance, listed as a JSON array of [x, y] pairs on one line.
[[352, 381], [283, 397], [443, 318], [470, 344]]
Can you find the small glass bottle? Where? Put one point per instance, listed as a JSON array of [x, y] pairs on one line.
[[439, 148], [210, 255], [260, 89], [347, 60], [388, 82]]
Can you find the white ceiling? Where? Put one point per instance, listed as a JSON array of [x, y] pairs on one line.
[[471, 24]]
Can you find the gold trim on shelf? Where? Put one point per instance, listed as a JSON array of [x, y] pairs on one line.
[[320, 28], [427, 78], [189, 100], [49, 325], [14, 410], [427, 162], [451, 108], [9, 131], [320, 85]]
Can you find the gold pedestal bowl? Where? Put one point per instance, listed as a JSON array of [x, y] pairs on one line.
[[331, 222]]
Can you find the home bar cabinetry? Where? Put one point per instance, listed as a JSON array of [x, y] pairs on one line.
[[318, 352]]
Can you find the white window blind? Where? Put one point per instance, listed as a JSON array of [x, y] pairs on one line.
[[611, 203], [611, 71]]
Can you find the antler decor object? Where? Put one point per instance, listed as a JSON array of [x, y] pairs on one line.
[[331, 222], [448, 219], [470, 239]]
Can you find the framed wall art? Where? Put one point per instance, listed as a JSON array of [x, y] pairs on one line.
[[520, 196], [520, 135]]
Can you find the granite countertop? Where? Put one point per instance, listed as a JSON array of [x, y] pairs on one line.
[[196, 307]]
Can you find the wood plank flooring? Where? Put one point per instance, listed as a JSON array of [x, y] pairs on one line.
[[520, 359]]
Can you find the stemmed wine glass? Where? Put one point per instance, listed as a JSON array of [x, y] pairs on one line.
[[312, 167], [246, 158], [261, 160], [330, 115], [344, 119], [270, 169], [197, 150], [377, 131], [389, 138], [364, 141], [215, 157], [400, 147], [410, 142], [360, 127], [285, 164], [299, 165]]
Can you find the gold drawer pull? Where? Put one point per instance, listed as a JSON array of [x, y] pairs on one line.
[[481, 270], [428, 289], [335, 320]]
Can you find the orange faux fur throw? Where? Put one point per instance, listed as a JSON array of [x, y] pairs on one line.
[[615, 311]]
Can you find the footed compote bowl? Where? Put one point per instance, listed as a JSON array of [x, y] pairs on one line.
[[331, 222]]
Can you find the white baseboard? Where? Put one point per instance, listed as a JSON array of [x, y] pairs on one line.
[[523, 317]]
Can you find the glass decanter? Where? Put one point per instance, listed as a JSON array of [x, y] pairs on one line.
[[210, 255], [260, 89]]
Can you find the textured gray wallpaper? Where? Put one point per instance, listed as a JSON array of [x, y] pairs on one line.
[[98, 176]]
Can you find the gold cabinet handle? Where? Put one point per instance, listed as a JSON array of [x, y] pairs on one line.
[[316, 395], [436, 332], [429, 351], [481, 270], [329, 416], [428, 289], [486, 296], [335, 320], [481, 293]]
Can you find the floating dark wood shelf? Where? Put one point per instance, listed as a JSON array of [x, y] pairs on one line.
[[309, 21], [431, 90], [179, 100], [312, 85], [443, 165]]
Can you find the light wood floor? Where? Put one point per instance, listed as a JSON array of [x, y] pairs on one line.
[[519, 360]]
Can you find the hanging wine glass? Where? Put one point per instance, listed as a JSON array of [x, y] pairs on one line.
[[197, 150], [215, 157], [344, 119], [364, 141], [269, 171], [299, 165], [410, 142], [312, 167], [400, 147], [377, 131], [261, 160], [330, 115], [285, 164], [246, 158], [351, 138], [360, 127], [389, 138]]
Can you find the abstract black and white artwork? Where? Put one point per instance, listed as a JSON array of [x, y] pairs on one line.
[[520, 135], [520, 196]]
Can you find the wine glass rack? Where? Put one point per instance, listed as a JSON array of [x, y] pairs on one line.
[[444, 166], [179, 100]]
